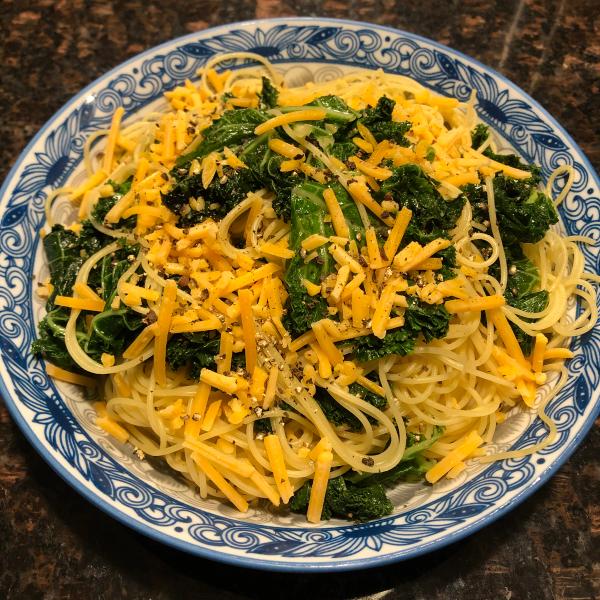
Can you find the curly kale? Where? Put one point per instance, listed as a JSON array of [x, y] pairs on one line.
[[410, 187], [219, 197], [362, 496], [340, 416], [268, 95], [429, 320], [308, 212], [266, 168], [479, 135], [346, 501], [522, 291], [99, 213], [194, 350], [412, 467], [110, 331], [197, 351], [523, 212], [398, 341], [379, 122], [263, 427], [50, 343], [232, 129], [336, 110]]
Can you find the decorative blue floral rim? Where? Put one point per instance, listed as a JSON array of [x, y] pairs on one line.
[[37, 406]]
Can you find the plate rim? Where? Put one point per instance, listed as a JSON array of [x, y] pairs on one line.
[[260, 563]]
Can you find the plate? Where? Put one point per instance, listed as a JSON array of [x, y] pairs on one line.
[[59, 422]]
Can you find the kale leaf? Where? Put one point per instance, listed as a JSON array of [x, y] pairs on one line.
[[379, 122], [112, 331], [308, 212], [398, 341], [268, 95], [343, 150], [263, 427], [194, 350], [307, 218], [50, 343], [340, 416], [522, 290], [346, 501], [266, 169], [448, 255], [523, 212], [219, 197], [429, 320], [232, 129], [531, 302], [336, 110], [409, 186], [64, 258], [412, 466], [479, 135]]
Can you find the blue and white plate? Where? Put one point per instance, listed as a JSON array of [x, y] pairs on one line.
[[58, 421]]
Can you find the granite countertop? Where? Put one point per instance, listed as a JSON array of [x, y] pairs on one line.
[[57, 545]]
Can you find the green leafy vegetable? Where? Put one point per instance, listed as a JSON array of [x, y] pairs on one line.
[[193, 350], [266, 169], [409, 186], [524, 213], [50, 342], [308, 212], [429, 320], [397, 341], [412, 467], [219, 198], [479, 135], [346, 501], [268, 94], [307, 218], [379, 122], [336, 110], [112, 330], [340, 416], [233, 128], [262, 427]]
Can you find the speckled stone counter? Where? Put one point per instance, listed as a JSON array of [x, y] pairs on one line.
[[54, 544]]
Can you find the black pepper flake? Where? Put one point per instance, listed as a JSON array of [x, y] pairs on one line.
[[368, 461], [150, 317], [191, 130]]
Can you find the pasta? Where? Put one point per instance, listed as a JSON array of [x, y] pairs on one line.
[[302, 295]]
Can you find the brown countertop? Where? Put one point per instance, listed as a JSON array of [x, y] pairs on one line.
[[54, 544]]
